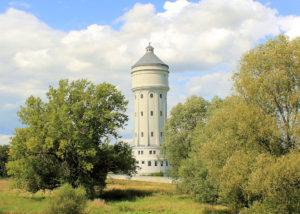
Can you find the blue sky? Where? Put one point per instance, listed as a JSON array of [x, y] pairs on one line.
[[44, 41]]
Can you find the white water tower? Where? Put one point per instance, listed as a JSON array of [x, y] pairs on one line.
[[150, 86]]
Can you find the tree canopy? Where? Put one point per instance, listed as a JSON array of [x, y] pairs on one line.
[[66, 140], [242, 155]]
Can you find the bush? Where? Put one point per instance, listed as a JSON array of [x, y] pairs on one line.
[[4, 149], [67, 200]]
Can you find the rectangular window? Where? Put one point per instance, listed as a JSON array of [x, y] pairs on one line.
[[142, 152], [139, 152], [161, 134], [149, 163], [150, 152], [152, 134], [160, 113], [143, 162], [137, 162], [151, 113], [162, 163], [167, 164], [142, 134], [155, 163], [142, 113], [154, 152]]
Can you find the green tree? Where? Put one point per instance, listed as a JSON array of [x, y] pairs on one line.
[[260, 120], [178, 130], [268, 77], [3, 159], [65, 140], [276, 184]]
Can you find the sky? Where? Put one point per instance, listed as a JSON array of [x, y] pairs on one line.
[[42, 42]]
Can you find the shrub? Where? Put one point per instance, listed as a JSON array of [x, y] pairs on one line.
[[67, 200]]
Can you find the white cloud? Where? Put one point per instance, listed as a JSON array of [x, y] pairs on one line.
[[4, 139], [215, 84], [290, 25], [189, 37], [19, 3]]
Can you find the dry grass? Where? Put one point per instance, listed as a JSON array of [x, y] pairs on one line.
[[120, 196]]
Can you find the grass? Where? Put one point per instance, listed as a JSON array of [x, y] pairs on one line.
[[119, 197]]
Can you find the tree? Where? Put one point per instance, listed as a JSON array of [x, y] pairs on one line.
[[268, 77], [178, 130], [3, 159], [242, 155], [66, 140]]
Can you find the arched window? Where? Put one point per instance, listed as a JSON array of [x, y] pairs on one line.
[[142, 96], [151, 113], [151, 95], [152, 134]]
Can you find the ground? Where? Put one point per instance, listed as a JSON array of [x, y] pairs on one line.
[[120, 196]]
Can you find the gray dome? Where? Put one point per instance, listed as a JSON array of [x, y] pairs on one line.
[[149, 59]]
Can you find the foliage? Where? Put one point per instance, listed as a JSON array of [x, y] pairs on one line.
[[3, 159], [66, 140], [241, 155], [178, 130], [268, 77], [67, 200], [277, 183], [140, 197]]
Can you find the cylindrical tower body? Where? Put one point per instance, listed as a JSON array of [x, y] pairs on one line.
[[150, 86]]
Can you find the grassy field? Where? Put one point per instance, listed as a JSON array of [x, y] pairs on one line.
[[120, 196]]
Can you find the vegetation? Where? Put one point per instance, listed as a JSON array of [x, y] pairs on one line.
[[66, 140], [67, 200], [3, 159], [245, 153], [119, 197]]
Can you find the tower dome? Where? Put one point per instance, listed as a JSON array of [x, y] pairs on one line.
[[150, 86], [149, 59]]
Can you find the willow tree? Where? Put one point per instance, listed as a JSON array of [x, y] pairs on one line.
[[268, 77]]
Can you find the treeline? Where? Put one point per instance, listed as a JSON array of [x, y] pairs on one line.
[[243, 151]]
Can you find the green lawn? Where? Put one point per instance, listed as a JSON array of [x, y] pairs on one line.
[[120, 196]]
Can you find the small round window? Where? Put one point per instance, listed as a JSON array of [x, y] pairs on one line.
[[151, 95]]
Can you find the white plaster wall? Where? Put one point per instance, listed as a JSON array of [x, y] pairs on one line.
[[143, 156], [147, 80]]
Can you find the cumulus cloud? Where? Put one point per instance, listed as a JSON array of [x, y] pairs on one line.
[[4, 139], [190, 37]]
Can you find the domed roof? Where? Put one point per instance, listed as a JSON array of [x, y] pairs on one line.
[[149, 59]]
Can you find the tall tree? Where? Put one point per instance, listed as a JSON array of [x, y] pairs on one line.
[[268, 77], [66, 139], [178, 130]]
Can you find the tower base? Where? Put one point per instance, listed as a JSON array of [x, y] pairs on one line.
[[149, 160]]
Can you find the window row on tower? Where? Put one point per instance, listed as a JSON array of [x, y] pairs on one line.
[[151, 96], [151, 113], [155, 163], [140, 152], [151, 133]]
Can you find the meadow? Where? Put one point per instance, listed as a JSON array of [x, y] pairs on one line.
[[119, 196]]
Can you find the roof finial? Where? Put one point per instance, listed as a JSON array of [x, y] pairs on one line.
[[149, 48]]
